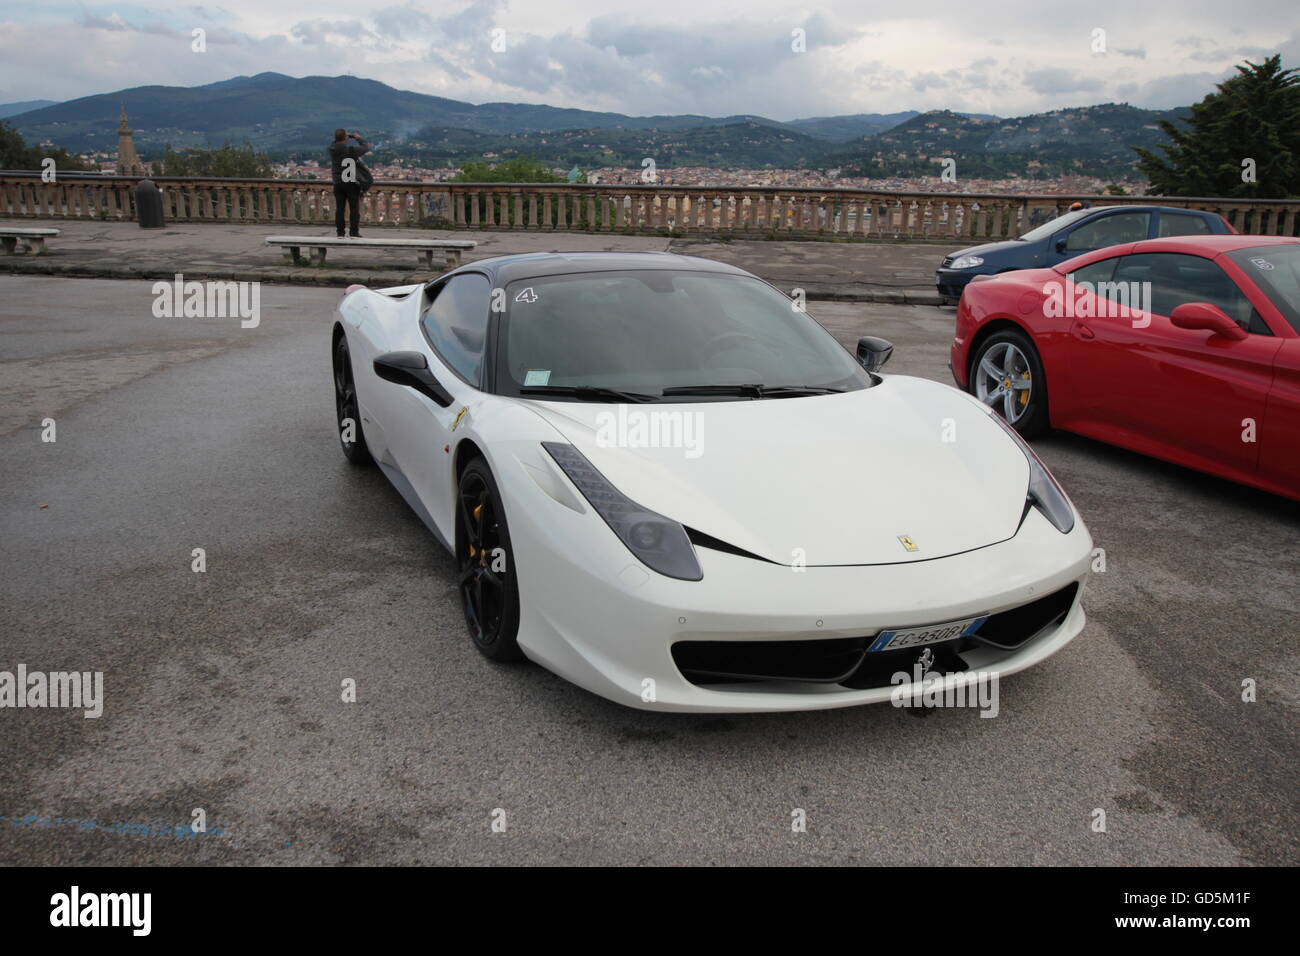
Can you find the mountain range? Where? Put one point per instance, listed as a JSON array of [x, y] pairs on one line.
[[290, 117], [13, 109]]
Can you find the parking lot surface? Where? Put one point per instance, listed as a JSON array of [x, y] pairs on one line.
[[222, 688]]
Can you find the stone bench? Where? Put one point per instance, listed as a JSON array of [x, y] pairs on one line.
[[449, 249], [34, 238]]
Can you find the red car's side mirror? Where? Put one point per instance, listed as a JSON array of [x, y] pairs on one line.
[[1203, 316]]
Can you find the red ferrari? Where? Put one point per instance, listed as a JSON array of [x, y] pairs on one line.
[[1185, 348]]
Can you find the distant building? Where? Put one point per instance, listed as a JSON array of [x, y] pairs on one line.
[[128, 163]]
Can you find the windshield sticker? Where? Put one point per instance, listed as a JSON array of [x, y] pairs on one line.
[[527, 295], [1262, 264], [537, 376]]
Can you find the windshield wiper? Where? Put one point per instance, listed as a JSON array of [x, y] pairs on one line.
[[752, 390], [793, 391], [593, 392]]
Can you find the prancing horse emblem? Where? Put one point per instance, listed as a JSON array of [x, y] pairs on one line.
[[907, 542], [926, 660]]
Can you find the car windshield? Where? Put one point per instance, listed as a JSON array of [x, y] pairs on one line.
[[1050, 227], [706, 336], [1276, 270]]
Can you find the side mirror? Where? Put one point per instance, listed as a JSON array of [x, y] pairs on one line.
[[412, 370], [1203, 316], [1062, 243], [874, 352]]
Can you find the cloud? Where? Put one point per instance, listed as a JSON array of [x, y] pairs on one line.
[[1167, 92], [1054, 80], [332, 32], [674, 56]]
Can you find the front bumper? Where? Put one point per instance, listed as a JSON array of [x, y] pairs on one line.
[[951, 282], [594, 615]]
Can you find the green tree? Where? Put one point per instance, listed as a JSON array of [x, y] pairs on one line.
[[520, 170], [236, 162], [1254, 116], [524, 169], [16, 154]]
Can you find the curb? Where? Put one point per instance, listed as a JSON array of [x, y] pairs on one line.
[[331, 278]]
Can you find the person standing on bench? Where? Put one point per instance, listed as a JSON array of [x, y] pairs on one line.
[[350, 178]]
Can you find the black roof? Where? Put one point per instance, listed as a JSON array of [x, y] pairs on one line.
[[506, 269]]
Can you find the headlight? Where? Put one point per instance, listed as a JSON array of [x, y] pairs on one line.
[[967, 262], [1044, 491], [660, 543]]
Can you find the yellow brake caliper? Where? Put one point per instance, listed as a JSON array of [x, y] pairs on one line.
[[482, 555], [1024, 395], [478, 510]]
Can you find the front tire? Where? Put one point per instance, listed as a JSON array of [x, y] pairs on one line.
[[1007, 375], [347, 410], [489, 591]]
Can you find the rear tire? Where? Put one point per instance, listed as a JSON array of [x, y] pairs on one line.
[[489, 590], [1007, 375], [346, 407]]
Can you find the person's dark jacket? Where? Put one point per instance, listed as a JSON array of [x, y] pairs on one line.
[[354, 149]]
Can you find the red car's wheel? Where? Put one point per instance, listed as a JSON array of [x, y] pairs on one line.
[[1007, 375]]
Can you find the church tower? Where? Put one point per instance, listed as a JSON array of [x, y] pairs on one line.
[[128, 163]]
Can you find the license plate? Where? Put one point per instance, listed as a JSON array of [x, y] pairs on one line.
[[930, 634]]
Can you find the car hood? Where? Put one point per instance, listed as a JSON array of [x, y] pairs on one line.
[[822, 480]]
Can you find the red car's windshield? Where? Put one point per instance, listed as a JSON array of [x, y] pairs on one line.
[[1276, 270]]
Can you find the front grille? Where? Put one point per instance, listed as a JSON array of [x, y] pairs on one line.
[[1008, 630], [845, 660], [822, 662]]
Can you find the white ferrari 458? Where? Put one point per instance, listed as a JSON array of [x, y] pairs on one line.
[[665, 482]]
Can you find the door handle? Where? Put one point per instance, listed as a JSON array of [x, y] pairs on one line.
[[1086, 333]]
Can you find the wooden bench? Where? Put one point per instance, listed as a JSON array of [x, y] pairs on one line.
[[449, 249], [34, 238]]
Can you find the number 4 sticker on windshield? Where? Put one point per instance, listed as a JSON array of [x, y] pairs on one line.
[[527, 295]]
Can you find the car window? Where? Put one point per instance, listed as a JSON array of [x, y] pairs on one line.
[[456, 324], [1109, 231], [1276, 270], [1095, 273], [644, 331], [1053, 226], [1170, 279], [1178, 224]]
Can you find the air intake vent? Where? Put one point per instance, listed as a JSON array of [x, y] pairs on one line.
[[702, 540]]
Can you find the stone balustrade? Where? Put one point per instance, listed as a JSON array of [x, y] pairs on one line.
[[743, 212]]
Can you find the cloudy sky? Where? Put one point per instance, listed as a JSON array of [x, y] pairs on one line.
[[665, 56]]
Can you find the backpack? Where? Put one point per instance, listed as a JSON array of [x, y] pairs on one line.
[[365, 178]]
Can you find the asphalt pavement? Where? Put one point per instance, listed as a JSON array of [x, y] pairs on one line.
[[222, 688]]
